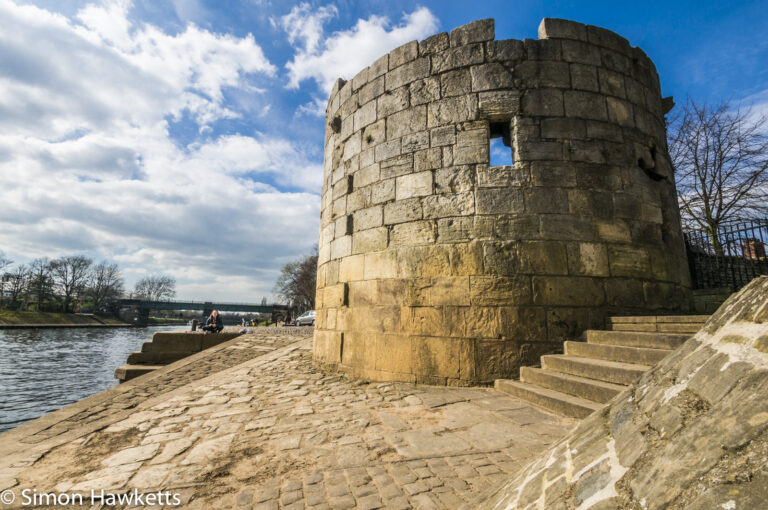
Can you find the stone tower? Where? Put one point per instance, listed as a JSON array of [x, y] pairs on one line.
[[436, 267]]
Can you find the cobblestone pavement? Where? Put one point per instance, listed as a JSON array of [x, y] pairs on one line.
[[274, 432]]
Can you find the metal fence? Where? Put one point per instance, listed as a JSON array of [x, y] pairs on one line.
[[731, 258]]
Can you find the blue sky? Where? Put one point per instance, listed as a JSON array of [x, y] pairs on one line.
[[185, 136]]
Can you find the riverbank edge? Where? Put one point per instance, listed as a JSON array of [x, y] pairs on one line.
[[27, 320], [49, 326]]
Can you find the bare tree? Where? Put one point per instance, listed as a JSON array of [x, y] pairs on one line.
[[40, 281], [70, 275], [17, 284], [720, 156], [4, 262], [297, 282], [158, 287], [106, 284]]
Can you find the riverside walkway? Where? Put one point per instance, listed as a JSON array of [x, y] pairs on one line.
[[252, 424]]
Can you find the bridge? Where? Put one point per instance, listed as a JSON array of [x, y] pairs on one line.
[[143, 306]]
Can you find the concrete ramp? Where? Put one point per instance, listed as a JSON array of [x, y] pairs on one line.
[[692, 433]]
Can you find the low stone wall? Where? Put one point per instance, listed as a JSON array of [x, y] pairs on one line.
[[693, 433]]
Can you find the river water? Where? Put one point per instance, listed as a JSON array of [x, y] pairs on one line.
[[42, 370]]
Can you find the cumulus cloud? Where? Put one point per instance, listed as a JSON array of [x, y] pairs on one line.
[[344, 53], [89, 165]]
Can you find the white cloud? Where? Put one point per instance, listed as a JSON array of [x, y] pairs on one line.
[[315, 108], [88, 164], [346, 52]]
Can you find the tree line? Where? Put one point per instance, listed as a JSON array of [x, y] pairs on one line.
[[73, 282]]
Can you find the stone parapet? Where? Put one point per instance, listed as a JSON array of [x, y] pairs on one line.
[[437, 267]]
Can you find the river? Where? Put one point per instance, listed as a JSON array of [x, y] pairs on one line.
[[42, 370]]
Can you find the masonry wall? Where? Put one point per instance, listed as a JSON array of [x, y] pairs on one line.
[[435, 266]]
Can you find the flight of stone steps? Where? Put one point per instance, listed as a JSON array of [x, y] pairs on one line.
[[591, 373]]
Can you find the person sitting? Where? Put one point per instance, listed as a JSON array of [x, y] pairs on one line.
[[214, 323]]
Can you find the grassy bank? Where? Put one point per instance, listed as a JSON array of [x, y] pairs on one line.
[[46, 318]]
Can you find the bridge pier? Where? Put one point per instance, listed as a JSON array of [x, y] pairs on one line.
[[142, 317]]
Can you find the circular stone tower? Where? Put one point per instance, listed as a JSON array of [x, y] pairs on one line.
[[435, 266]]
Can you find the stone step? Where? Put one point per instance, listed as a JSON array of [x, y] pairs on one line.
[[659, 323], [637, 355], [156, 358], [589, 389], [608, 371], [553, 400], [654, 340], [128, 372]]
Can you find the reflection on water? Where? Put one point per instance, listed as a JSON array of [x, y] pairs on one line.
[[42, 370]]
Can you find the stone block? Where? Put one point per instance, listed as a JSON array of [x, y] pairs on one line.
[[543, 257], [629, 261], [585, 105], [502, 258], [393, 353], [423, 262], [379, 67], [455, 83], [392, 101], [368, 218], [543, 49], [383, 191], [566, 227], [373, 239], [499, 105], [366, 176], [335, 296], [615, 231], [564, 128], [607, 39], [434, 44], [546, 201], [414, 142], [588, 259], [462, 56], [427, 159], [452, 111], [516, 227], [339, 207], [471, 155], [358, 199], [372, 135], [406, 122], [454, 230], [371, 90], [425, 91], [554, 28], [500, 290], [402, 211], [407, 73], [413, 233], [413, 185], [449, 291], [616, 61], [343, 226], [546, 173], [477, 31], [499, 201], [352, 146], [584, 77], [380, 265], [598, 204], [501, 176], [604, 131], [365, 115], [351, 268], [624, 292], [568, 291], [581, 53], [404, 54], [449, 204], [536, 151], [341, 247], [506, 50], [620, 112], [445, 135], [543, 102], [455, 179], [539, 74], [490, 77], [394, 167], [467, 259]]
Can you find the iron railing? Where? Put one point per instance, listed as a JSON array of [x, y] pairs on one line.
[[731, 257]]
